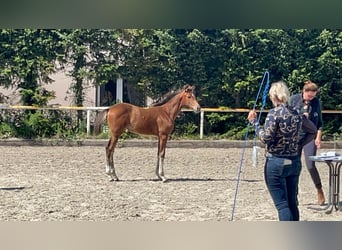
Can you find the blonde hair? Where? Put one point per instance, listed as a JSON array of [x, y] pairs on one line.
[[279, 92], [310, 86]]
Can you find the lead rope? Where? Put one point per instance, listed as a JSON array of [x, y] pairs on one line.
[[256, 149], [264, 96]]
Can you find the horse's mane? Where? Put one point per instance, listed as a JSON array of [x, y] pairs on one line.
[[167, 97]]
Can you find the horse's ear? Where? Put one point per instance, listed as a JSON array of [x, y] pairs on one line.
[[188, 88]]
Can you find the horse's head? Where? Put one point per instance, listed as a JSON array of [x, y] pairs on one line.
[[189, 99]]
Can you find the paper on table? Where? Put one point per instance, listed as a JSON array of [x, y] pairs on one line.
[[329, 153]]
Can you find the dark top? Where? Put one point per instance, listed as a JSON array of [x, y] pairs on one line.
[[281, 133], [314, 109]]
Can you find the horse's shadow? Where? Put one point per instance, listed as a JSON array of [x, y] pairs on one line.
[[187, 179], [18, 188], [246, 180]]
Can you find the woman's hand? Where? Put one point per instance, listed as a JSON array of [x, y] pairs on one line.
[[252, 116]]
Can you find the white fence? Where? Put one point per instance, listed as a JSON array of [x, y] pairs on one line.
[[91, 109], [88, 109]]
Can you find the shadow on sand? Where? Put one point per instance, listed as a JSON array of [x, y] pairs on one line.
[[18, 188]]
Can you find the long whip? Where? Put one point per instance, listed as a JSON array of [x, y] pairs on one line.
[[265, 92]]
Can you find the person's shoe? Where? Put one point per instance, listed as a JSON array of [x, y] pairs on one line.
[[321, 198]]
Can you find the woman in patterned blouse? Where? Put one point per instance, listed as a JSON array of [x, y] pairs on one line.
[[283, 139]]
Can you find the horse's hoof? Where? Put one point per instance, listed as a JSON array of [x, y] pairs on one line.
[[112, 179], [161, 178]]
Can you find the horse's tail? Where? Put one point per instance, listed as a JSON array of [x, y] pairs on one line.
[[99, 119]]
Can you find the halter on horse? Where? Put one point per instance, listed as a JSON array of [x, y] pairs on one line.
[[157, 120]]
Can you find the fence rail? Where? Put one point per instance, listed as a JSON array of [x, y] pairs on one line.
[[92, 109]]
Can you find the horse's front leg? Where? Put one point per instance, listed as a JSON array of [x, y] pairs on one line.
[[160, 168], [161, 156], [110, 170]]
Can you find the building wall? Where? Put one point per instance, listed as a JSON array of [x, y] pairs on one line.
[[61, 87]]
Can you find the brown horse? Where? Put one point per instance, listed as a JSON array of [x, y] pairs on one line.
[[156, 120]]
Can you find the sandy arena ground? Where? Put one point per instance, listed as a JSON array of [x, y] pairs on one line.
[[63, 183]]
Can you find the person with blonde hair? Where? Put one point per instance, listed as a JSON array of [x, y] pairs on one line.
[[283, 144], [308, 104]]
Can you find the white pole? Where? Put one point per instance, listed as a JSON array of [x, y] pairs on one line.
[[88, 121], [119, 89], [201, 124], [98, 96]]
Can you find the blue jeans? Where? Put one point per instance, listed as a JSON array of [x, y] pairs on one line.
[[281, 177]]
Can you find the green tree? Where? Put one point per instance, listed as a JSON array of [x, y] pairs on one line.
[[146, 60], [29, 57], [327, 68], [225, 65]]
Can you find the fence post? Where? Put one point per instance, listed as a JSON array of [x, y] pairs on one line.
[[88, 121], [201, 124]]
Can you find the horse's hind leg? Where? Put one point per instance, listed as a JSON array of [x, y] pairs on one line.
[[161, 156], [110, 170]]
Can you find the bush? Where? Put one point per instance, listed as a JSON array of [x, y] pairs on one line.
[[41, 124], [6, 131]]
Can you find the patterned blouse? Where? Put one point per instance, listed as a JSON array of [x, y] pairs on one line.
[[281, 131]]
